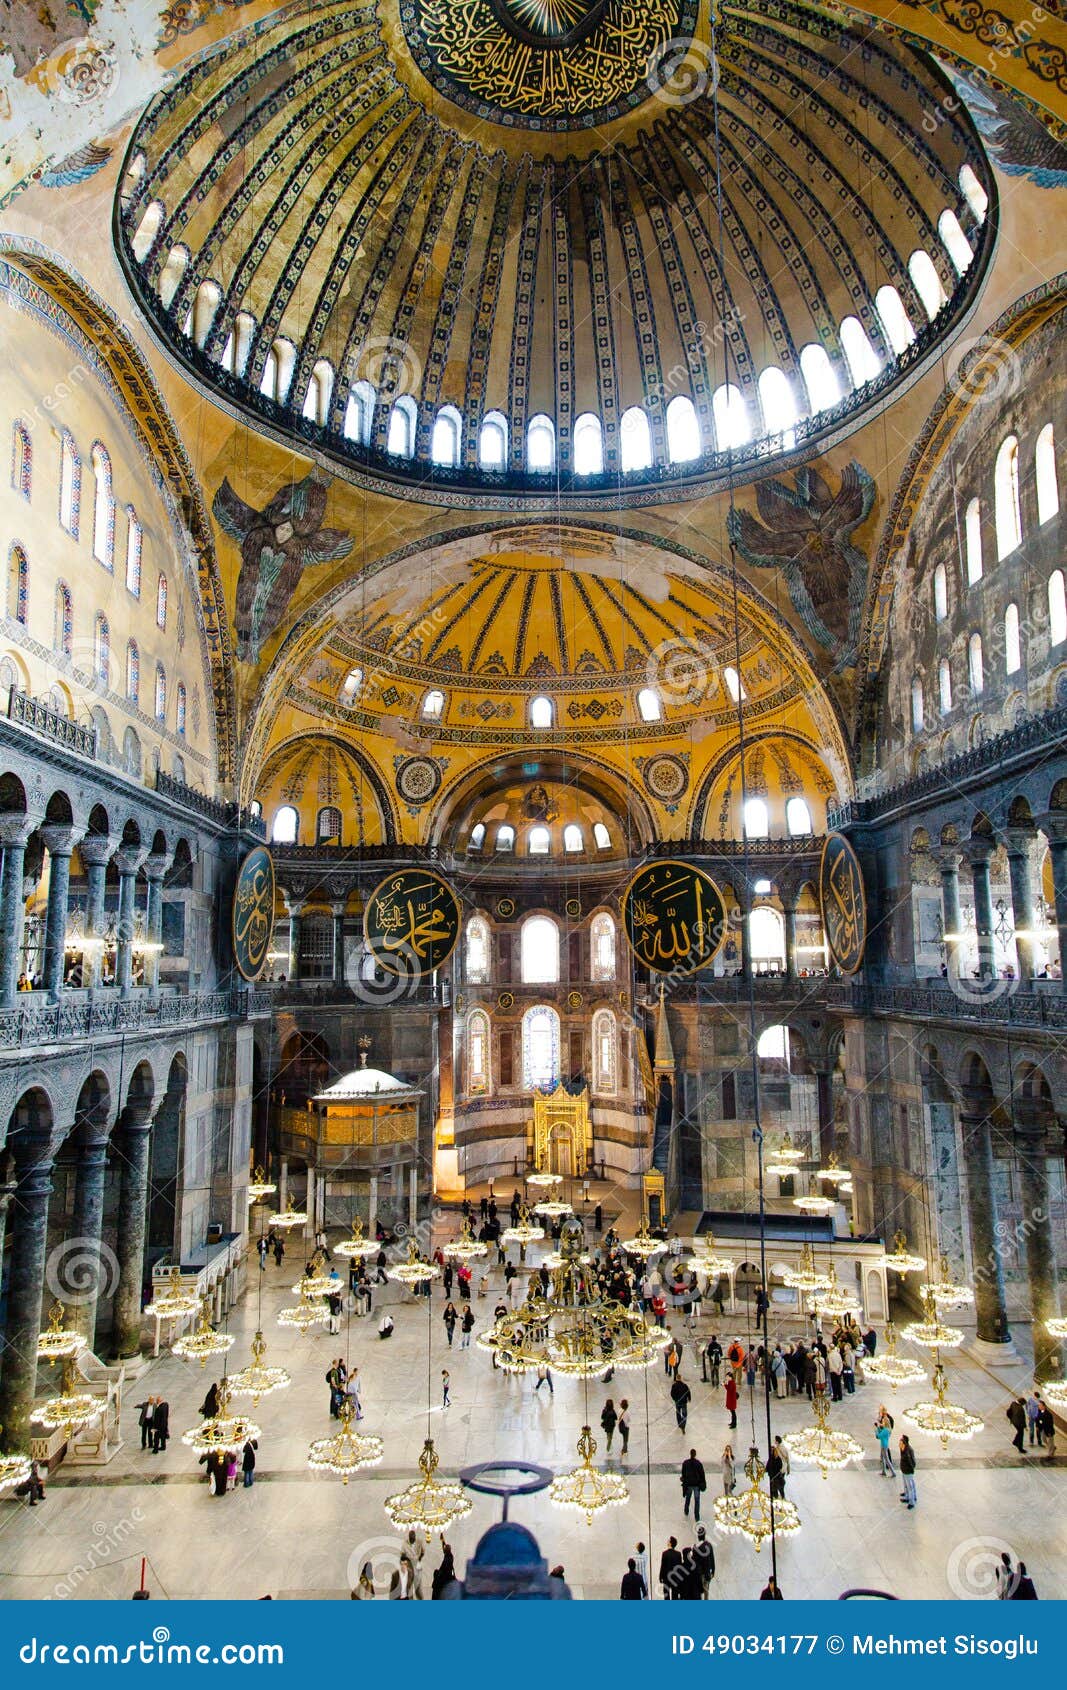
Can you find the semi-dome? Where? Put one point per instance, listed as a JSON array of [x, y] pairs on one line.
[[339, 226]]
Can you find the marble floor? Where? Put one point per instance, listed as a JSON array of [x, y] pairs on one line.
[[297, 1534]]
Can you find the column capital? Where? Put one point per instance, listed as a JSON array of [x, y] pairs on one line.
[[1032, 1116], [948, 861], [59, 838], [16, 830], [979, 850], [157, 864], [1017, 841], [129, 859], [338, 906], [96, 849], [94, 1150], [976, 1103], [295, 903], [1053, 823]]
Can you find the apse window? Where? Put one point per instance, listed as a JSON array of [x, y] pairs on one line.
[[1048, 492], [683, 430], [477, 1051], [541, 445], [477, 951], [359, 413], [538, 842], [778, 404], [319, 393], [505, 837], [588, 445], [824, 389], [602, 943], [328, 825], [918, 707], [493, 441], [539, 944], [601, 837], [1013, 649], [1006, 508], [103, 509], [732, 683], [477, 838], [134, 546], [540, 1048], [1057, 608], [863, 361], [955, 241], [975, 670], [542, 712], [70, 481], [797, 817], [926, 282], [447, 433], [733, 427], [400, 437], [894, 318], [285, 825], [944, 685], [635, 441], [972, 541], [433, 705], [762, 888], [572, 838], [757, 821], [973, 192], [648, 705], [940, 593], [604, 1047], [766, 937]]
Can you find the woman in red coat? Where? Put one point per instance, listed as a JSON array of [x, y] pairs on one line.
[[731, 1400]]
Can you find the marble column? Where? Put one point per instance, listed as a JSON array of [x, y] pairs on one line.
[[951, 918], [746, 939], [338, 912], [295, 907], [1033, 1118], [990, 1303], [156, 867], [979, 852], [1054, 827], [96, 851], [59, 842], [789, 916], [132, 1144], [25, 1294], [1018, 841], [127, 863], [824, 1096], [14, 832], [87, 1227]]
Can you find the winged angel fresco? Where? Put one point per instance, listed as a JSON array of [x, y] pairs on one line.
[[277, 544], [806, 533]]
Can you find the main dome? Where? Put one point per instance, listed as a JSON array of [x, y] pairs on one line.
[[334, 227]]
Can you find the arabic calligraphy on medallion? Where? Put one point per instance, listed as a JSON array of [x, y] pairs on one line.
[[674, 917], [844, 906], [252, 916], [411, 922]]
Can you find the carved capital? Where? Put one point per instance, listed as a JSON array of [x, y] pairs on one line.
[[97, 849], [59, 839]]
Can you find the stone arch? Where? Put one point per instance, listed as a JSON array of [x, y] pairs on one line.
[[166, 1162]]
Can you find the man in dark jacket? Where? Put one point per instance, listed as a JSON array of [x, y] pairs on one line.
[[1016, 1413], [776, 1473], [633, 1585], [680, 1396], [669, 1576], [907, 1471], [704, 1555], [144, 1420], [160, 1425], [711, 1361], [694, 1482]]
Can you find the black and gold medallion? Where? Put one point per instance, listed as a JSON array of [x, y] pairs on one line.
[[252, 918], [411, 922], [844, 906], [674, 917]]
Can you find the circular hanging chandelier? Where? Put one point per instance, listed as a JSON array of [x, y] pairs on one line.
[[706, 1258], [819, 1444], [786, 1151], [900, 1259], [585, 1487], [415, 1271], [259, 1186], [429, 1503], [1056, 1328], [221, 1431], [832, 1171], [72, 1409], [356, 1245], [58, 1342], [204, 1341], [835, 1300], [347, 1451], [466, 1248], [751, 1513], [14, 1471], [308, 1313], [257, 1379], [551, 1210], [287, 1217], [643, 1244], [814, 1203], [941, 1417], [893, 1369], [1054, 1391], [807, 1276], [945, 1294], [524, 1232], [546, 1181], [931, 1333], [174, 1302], [312, 1285]]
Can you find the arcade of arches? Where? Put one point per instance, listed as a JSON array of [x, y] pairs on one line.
[[413, 470]]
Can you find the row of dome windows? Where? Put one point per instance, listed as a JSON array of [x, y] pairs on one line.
[[541, 711], [1011, 643], [1007, 511], [735, 422]]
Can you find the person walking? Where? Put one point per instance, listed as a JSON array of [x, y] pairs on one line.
[[279, 1250], [609, 1419], [446, 1380], [333, 1304], [352, 1392], [1005, 1576], [144, 1420], [729, 1477], [669, 1562], [161, 1425], [776, 1473], [624, 1425], [731, 1401], [704, 1555], [883, 1426], [711, 1360], [784, 1457], [779, 1372], [907, 1471], [450, 1316], [770, 1591], [1016, 1414], [1023, 1589], [694, 1483], [544, 1377], [466, 1327], [248, 1462], [633, 1588], [680, 1396], [1033, 1418], [1048, 1430]]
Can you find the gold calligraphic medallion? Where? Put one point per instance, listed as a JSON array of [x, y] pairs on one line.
[[252, 921], [674, 917], [411, 922], [844, 906]]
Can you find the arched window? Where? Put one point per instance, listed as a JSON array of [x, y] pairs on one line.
[[538, 842], [955, 241], [505, 837], [601, 837], [732, 682], [973, 192], [255, 809], [940, 593], [926, 282], [588, 445], [18, 589], [161, 693], [542, 712], [773, 1045], [635, 440], [975, 672], [918, 705], [540, 1048], [477, 838], [1013, 651], [1048, 492], [477, 960], [286, 822], [539, 944], [21, 460], [648, 705], [63, 629], [683, 430], [446, 438], [320, 392], [572, 837], [205, 306], [278, 369], [972, 539], [733, 425], [70, 484], [134, 547], [895, 320], [1008, 516], [400, 439], [103, 509], [102, 649], [605, 1046], [766, 936], [350, 688], [433, 705], [180, 708], [944, 685], [541, 444], [602, 947], [133, 672], [777, 402], [170, 277], [863, 361], [359, 413], [238, 347], [757, 821], [328, 825], [1057, 608], [147, 230], [820, 379], [797, 817], [477, 1052], [493, 441], [131, 753]]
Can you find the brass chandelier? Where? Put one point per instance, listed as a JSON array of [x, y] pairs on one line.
[[466, 1248], [356, 1245], [415, 1271], [941, 1417], [204, 1341], [174, 1302], [58, 1342], [221, 1431], [706, 1258], [900, 1259], [585, 1487], [931, 1332], [820, 1444], [259, 1186], [71, 1410], [643, 1244], [524, 1232], [309, 1312], [806, 1277], [430, 1503], [893, 1369], [287, 1217], [257, 1379], [347, 1451], [752, 1513]]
